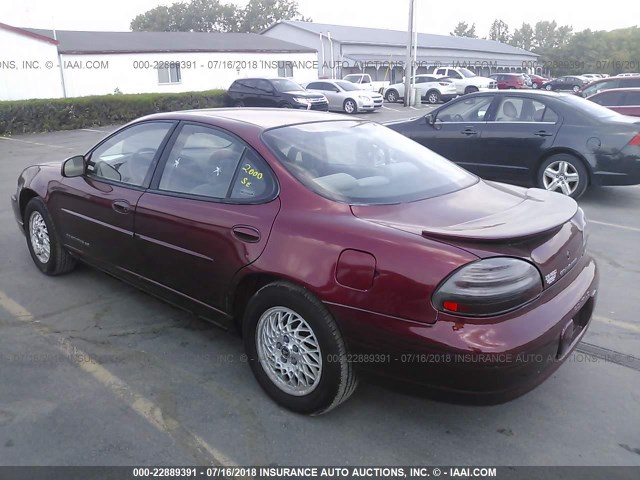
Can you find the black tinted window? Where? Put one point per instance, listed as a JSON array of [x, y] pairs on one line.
[[632, 98], [609, 99]]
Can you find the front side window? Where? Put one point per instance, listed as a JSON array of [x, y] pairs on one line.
[[363, 163], [170, 74], [468, 110], [599, 87], [127, 156]]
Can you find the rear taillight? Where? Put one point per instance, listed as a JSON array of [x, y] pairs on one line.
[[635, 140], [488, 287]]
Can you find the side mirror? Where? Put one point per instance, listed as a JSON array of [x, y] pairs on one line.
[[73, 167], [429, 119]]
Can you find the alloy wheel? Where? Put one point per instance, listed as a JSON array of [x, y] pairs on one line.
[[39, 236], [288, 351], [561, 176]]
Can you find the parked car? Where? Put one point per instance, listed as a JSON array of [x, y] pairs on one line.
[[592, 76], [346, 97], [508, 81], [466, 81], [629, 75], [555, 141], [364, 81], [273, 92], [608, 84], [568, 82], [310, 232], [622, 100], [537, 81], [431, 89]]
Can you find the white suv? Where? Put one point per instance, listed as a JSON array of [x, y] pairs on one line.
[[432, 88], [466, 81]]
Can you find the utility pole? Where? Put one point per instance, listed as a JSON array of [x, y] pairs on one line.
[[408, 66]]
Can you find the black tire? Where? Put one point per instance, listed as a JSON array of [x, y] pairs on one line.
[[239, 103], [286, 105], [575, 88], [337, 376], [470, 89], [574, 165], [548, 88], [392, 96], [350, 104], [59, 260], [433, 96], [534, 86]]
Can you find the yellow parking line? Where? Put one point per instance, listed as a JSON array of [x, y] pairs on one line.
[[617, 323], [624, 227], [200, 449]]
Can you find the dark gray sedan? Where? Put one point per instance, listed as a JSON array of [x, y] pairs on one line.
[[555, 141]]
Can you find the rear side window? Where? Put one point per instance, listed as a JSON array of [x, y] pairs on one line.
[[632, 98], [253, 180], [609, 99]]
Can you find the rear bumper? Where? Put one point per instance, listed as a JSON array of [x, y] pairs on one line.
[[621, 169], [487, 360]]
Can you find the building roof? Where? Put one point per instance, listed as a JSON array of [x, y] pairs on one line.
[[378, 36], [76, 42], [27, 33]]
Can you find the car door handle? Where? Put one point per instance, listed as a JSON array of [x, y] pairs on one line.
[[543, 133], [121, 206], [469, 131], [245, 233]]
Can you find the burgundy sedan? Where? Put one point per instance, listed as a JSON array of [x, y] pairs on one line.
[[621, 100], [335, 245]]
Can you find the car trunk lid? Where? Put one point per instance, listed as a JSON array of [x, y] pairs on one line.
[[490, 219]]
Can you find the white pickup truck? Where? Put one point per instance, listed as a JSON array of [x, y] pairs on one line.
[[466, 81], [365, 82]]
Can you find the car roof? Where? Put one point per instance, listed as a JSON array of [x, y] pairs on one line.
[[524, 92], [262, 118], [626, 89]]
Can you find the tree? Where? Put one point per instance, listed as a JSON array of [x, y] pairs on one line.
[[545, 35], [463, 29], [499, 31], [260, 14], [214, 16], [523, 37]]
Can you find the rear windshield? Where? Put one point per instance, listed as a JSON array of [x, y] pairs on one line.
[[364, 163], [589, 108]]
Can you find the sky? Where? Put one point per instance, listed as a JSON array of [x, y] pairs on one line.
[[432, 16]]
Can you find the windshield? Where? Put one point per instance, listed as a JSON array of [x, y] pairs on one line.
[[467, 73], [590, 108], [353, 78], [364, 163], [284, 85], [349, 87]]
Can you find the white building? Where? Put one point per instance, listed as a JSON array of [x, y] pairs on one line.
[[74, 64], [382, 53], [27, 63]]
